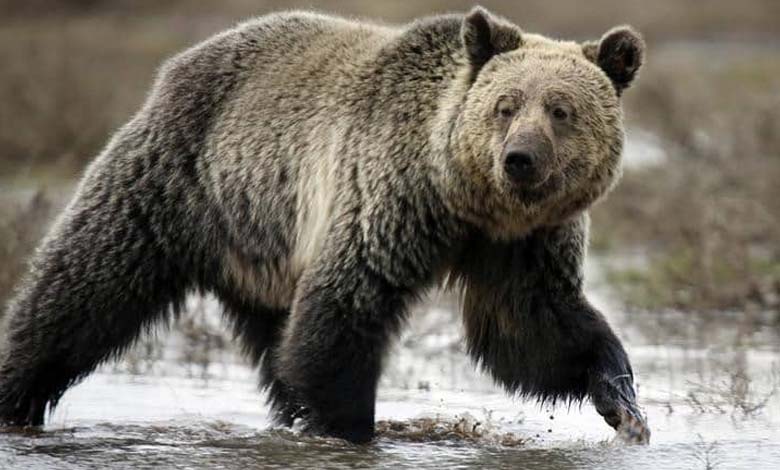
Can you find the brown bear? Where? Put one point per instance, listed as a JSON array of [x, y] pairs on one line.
[[317, 174]]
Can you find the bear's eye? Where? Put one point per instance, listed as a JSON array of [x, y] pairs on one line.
[[505, 109], [560, 114]]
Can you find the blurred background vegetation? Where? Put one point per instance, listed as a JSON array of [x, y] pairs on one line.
[[694, 225]]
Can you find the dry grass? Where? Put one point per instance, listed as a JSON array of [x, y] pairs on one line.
[[22, 224], [67, 85], [200, 342], [707, 454], [709, 234], [736, 394], [708, 219], [204, 342]]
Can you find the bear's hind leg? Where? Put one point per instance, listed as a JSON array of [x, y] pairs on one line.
[[259, 329], [100, 277]]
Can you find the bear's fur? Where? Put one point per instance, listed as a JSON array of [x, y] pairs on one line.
[[317, 174]]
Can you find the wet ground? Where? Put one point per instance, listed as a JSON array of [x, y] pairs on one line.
[[708, 385]]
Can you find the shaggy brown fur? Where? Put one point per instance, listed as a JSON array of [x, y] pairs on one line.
[[317, 174]]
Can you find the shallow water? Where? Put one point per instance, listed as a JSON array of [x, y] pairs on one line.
[[707, 385]]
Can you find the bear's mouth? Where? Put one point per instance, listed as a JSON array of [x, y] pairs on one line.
[[539, 191]]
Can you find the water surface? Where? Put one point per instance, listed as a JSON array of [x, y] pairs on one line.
[[706, 383]]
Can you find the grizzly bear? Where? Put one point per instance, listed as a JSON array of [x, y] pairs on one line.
[[317, 174]]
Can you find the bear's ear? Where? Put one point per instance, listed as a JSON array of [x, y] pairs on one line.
[[485, 35], [620, 53]]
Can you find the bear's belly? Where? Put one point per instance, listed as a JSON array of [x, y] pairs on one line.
[[272, 285]]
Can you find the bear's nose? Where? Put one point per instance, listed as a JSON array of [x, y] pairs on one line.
[[519, 165]]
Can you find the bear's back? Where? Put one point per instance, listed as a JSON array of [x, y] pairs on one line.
[[298, 104], [299, 49]]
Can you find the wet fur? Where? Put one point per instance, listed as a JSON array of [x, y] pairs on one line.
[[521, 297], [315, 212]]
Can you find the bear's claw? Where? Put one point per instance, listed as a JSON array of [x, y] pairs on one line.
[[615, 400], [633, 428]]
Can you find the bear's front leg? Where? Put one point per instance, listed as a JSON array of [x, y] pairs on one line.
[[529, 324], [611, 380], [331, 355]]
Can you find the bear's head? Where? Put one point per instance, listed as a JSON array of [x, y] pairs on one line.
[[535, 125]]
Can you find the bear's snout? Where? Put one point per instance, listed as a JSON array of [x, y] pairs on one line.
[[526, 159], [520, 165]]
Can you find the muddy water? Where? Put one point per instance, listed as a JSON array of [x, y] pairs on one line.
[[707, 385]]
